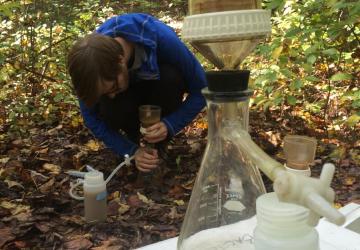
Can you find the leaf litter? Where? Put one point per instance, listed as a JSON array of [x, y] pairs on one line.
[[37, 212]]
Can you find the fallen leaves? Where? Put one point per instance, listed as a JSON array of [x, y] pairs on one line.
[[349, 181], [116, 207], [173, 214], [14, 208], [81, 243], [43, 216], [179, 202], [144, 199], [338, 153], [176, 192], [13, 184], [4, 160], [93, 145], [52, 168], [110, 244], [45, 188], [5, 235], [134, 201]]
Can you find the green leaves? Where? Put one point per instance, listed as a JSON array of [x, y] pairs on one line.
[[312, 79], [7, 8], [274, 4], [312, 54], [293, 32], [330, 52], [341, 77], [296, 84], [353, 120], [291, 100], [311, 59]]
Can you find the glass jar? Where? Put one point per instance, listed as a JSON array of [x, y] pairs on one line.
[[207, 6]]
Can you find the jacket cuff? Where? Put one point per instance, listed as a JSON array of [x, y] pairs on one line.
[[170, 128]]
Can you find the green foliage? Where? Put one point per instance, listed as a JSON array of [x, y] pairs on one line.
[[35, 39], [310, 62], [310, 51]]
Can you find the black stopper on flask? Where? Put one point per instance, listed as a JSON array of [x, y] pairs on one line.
[[228, 85]]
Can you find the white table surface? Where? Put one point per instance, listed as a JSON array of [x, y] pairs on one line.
[[332, 237]]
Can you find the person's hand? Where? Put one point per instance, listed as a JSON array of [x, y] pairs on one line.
[[146, 159], [155, 133]]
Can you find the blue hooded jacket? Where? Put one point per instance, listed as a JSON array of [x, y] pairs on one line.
[[161, 44]]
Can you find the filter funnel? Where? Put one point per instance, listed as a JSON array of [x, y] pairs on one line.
[[226, 38]]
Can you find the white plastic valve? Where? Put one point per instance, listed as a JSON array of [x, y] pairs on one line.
[[315, 194]]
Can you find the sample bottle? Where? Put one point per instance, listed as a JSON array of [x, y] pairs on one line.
[[221, 212], [95, 197], [148, 116], [283, 226]]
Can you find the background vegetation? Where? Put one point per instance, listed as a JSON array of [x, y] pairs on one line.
[[309, 66]]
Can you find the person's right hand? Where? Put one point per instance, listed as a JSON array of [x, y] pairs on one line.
[[146, 159]]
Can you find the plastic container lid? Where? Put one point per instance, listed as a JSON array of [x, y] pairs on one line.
[[273, 212], [227, 25], [94, 178]]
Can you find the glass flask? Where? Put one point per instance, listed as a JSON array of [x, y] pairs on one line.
[[207, 6], [221, 212]]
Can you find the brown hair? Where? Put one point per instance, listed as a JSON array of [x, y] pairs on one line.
[[92, 59]]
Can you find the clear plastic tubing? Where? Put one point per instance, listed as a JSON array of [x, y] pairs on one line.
[[283, 226]]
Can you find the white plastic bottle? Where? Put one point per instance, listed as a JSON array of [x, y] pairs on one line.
[[283, 226], [95, 197]]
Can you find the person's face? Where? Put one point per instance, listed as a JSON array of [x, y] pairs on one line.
[[114, 87]]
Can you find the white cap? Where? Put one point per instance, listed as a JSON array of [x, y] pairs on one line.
[[94, 178], [273, 213]]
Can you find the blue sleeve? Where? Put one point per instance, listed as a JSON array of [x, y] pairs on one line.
[[112, 139], [172, 50]]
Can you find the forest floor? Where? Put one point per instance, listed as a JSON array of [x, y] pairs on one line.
[[36, 211]]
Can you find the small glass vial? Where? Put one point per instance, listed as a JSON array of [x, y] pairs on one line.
[[95, 197], [283, 226]]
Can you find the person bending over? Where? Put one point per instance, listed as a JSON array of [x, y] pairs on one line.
[[132, 60]]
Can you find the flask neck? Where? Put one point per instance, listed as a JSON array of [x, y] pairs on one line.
[[221, 114]]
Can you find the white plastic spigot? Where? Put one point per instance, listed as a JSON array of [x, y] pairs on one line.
[[315, 194]]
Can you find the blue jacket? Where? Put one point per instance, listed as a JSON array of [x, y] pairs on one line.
[[160, 43]]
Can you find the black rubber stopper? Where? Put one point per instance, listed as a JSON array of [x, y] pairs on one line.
[[228, 81]]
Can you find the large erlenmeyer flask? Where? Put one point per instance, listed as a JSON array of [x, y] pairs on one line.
[[221, 211]]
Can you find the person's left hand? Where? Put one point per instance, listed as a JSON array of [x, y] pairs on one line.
[[155, 133]]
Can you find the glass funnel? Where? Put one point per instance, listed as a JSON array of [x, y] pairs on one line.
[[221, 210]]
